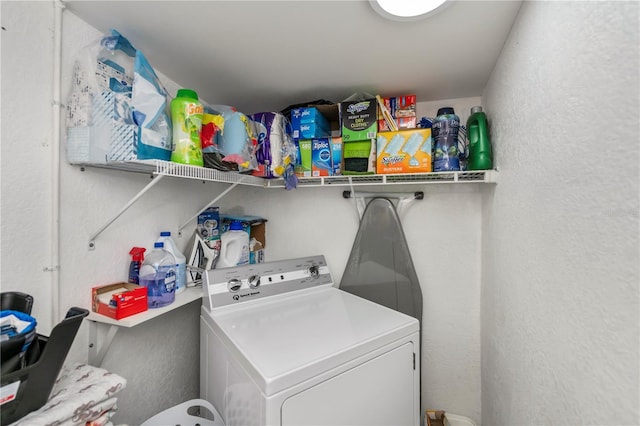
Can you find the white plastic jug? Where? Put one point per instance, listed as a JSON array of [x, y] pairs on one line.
[[234, 247], [181, 261]]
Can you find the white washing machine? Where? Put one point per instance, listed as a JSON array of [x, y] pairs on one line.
[[280, 345]]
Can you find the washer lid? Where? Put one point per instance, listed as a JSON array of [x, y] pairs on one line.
[[285, 340]]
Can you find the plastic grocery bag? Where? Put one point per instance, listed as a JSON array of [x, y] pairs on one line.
[[117, 109], [236, 140]]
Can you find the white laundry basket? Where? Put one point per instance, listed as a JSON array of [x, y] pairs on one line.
[[455, 420], [180, 415]]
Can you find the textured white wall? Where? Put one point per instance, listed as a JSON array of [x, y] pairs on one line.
[[26, 152], [560, 317]]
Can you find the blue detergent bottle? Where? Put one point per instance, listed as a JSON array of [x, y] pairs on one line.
[[158, 274], [445, 141]]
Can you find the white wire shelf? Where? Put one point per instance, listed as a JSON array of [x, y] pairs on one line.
[[184, 171], [160, 169], [168, 168], [480, 176]]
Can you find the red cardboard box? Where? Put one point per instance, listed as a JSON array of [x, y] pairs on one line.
[[126, 300]]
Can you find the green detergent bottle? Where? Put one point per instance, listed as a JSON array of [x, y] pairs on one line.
[[186, 115], [480, 155]]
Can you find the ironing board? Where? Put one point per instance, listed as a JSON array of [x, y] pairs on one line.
[[380, 268]]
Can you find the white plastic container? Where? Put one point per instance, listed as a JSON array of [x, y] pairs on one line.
[[234, 247], [181, 260], [157, 274], [455, 420]]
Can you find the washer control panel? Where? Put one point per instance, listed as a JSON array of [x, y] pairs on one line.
[[238, 284]]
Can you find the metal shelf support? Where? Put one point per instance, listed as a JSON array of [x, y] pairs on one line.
[[215, 200], [96, 355], [92, 238]]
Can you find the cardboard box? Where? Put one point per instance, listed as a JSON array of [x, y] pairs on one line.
[[359, 158], [256, 227], [359, 120], [321, 157], [209, 225], [310, 131], [308, 115], [402, 122], [336, 156], [333, 115], [126, 300], [399, 106], [303, 167], [404, 151]]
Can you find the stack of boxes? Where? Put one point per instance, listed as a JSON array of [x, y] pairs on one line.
[[407, 150], [320, 151], [353, 137]]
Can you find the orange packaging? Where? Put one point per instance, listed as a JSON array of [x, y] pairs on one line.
[[404, 151]]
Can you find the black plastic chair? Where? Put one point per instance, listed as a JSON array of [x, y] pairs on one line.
[[16, 301], [38, 377]]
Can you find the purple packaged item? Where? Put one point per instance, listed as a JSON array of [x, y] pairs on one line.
[[275, 150]]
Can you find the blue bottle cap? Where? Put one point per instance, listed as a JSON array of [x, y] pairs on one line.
[[236, 226], [165, 234], [158, 245], [445, 110]]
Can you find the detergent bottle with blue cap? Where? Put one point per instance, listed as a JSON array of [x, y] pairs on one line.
[[445, 141], [234, 246]]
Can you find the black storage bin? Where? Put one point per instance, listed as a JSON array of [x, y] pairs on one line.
[[44, 359], [16, 301]]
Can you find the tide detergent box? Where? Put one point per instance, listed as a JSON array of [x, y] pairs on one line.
[[404, 151], [359, 120]]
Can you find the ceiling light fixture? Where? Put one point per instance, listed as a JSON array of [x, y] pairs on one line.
[[407, 10]]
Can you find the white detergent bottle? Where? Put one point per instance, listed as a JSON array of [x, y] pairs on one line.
[[181, 260], [234, 247]]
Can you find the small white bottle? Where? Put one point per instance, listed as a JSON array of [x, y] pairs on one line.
[[234, 247], [181, 260]]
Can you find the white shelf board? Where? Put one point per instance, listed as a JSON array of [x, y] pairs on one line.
[[187, 296]]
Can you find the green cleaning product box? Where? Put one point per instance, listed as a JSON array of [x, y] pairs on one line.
[[303, 167], [359, 120], [359, 157]]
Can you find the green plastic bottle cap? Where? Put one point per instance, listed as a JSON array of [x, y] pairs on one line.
[[187, 93]]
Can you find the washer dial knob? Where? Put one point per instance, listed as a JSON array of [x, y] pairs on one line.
[[314, 271], [254, 281], [234, 285]]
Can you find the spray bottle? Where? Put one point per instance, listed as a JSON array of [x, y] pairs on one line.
[[137, 257]]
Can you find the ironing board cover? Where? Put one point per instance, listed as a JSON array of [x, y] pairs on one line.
[[380, 268], [82, 395]]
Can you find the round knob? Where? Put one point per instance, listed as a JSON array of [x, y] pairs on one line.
[[234, 285], [254, 281], [314, 271]]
